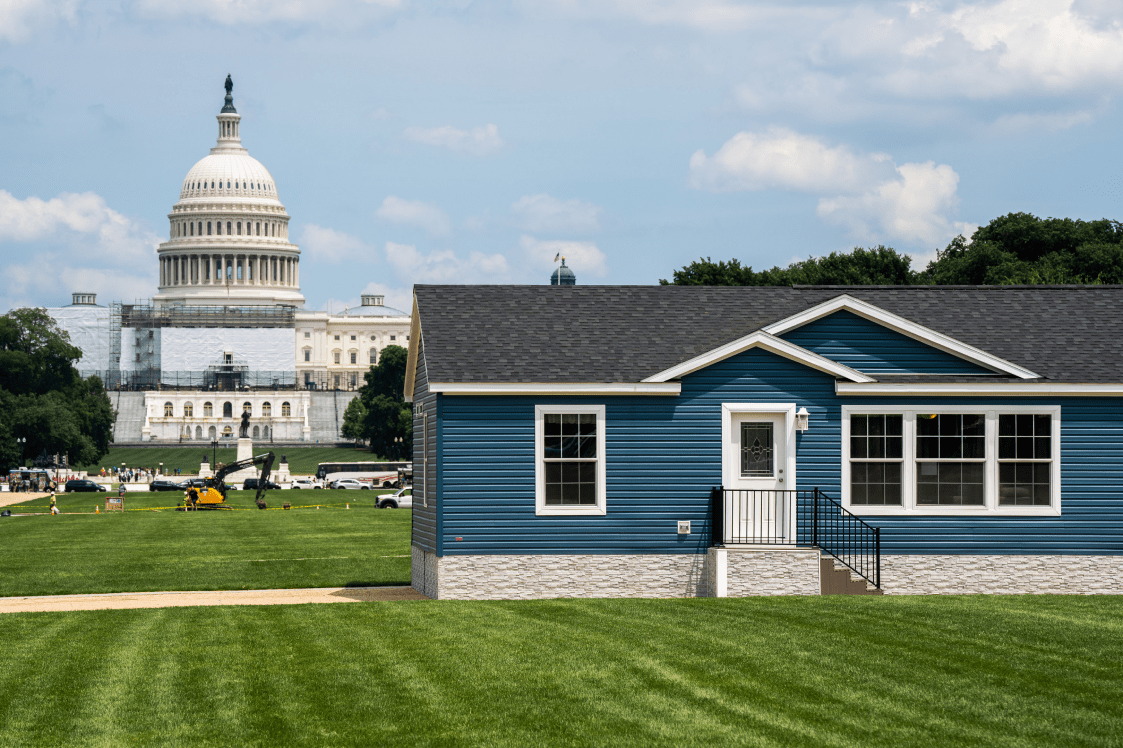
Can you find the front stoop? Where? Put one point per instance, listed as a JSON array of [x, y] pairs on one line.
[[836, 579]]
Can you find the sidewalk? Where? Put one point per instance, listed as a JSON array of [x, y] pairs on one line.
[[124, 600]]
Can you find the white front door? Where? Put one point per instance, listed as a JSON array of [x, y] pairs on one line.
[[758, 465]]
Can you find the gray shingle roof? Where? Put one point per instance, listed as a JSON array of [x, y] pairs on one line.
[[626, 333]]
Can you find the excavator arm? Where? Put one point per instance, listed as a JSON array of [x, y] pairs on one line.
[[266, 462]]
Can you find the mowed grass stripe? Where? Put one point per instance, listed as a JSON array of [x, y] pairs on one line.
[[995, 671]]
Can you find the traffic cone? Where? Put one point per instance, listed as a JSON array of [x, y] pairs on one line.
[[348, 506]]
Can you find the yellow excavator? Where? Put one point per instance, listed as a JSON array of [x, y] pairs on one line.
[[213, 493]]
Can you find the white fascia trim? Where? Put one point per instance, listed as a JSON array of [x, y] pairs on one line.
[[1027, 389], [771, 343], [411, 356], [555, 388], [905, 327]]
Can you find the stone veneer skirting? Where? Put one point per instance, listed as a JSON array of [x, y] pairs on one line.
[[750, 571], [1002, 575], [525, 577]]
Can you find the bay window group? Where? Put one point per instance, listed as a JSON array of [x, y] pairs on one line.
[[947, 459]]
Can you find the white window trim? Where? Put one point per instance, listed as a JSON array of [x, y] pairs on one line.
[[540, 507], [990, 505]]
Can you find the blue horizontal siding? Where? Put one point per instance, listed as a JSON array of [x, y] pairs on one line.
[[871, 348], [664, 454]]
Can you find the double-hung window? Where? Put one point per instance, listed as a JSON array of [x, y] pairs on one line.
[[965, 460], [569, 455]]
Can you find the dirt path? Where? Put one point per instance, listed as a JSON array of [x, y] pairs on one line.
[[7, 498], [121, 600]]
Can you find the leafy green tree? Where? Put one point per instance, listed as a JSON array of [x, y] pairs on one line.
[[876, 266], [1022, 249], [379, 415], [42, 397], [388, 376], [389, 428], [353, 419]]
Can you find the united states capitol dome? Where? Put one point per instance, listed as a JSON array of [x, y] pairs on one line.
[[228, 242]]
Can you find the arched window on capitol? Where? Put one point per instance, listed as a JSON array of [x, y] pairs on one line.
[[247, 408], [167, 410], [286, 410], [188, 410], [228, 410], [208, 411], [266, 409]]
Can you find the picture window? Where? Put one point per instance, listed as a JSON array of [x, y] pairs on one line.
[[952, 460]]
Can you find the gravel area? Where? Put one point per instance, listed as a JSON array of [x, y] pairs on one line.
[[122, 600]]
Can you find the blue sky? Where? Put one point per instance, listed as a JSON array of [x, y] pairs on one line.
[[472, 141]]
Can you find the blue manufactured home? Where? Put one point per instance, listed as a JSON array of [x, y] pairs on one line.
[[703, 441]]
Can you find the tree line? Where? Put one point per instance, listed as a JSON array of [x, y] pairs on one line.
[[46, 407], [1015, 249]]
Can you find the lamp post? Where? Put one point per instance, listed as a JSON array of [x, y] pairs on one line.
[[121, 477], [161, 468], [22, 441], [214, 452]]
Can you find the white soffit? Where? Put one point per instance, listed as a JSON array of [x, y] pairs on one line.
[[899, 324], [555, 388], [770, 343], [992, 389]]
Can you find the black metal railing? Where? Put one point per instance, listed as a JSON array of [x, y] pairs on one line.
[[801, 517], [753, 517], [846, 537]]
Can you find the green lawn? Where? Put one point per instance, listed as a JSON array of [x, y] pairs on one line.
[[832, 671], [152, 547], [302, 460]]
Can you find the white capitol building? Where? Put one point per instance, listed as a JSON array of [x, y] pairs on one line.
[[227, 329]]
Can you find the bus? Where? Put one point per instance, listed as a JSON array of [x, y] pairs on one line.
[[380, 474]]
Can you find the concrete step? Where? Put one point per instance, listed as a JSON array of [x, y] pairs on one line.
[[837, 579], [130, 416]]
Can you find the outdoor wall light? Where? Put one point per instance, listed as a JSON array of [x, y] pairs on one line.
[[801, 418]]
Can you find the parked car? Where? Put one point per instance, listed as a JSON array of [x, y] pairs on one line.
[[165, 485], [402, 499], [350, 484], [82, 484], [250, 484], [305, 483]]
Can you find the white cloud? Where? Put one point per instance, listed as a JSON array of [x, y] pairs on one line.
[[231, 12], [444, 266], [328, 245], [479, 141], [414, 213], [17, 17], [76, 242], [583, 257], [546, 213], [867, 192], [785, 159], [1047, 121], [710, 15], [913, 207], [74, 218], [985, 50]]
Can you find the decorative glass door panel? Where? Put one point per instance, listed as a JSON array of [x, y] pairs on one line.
[[757, 503]]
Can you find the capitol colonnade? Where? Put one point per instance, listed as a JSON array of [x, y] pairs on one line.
[[192, 269]]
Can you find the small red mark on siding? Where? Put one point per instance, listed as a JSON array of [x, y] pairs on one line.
[[460, 538]]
